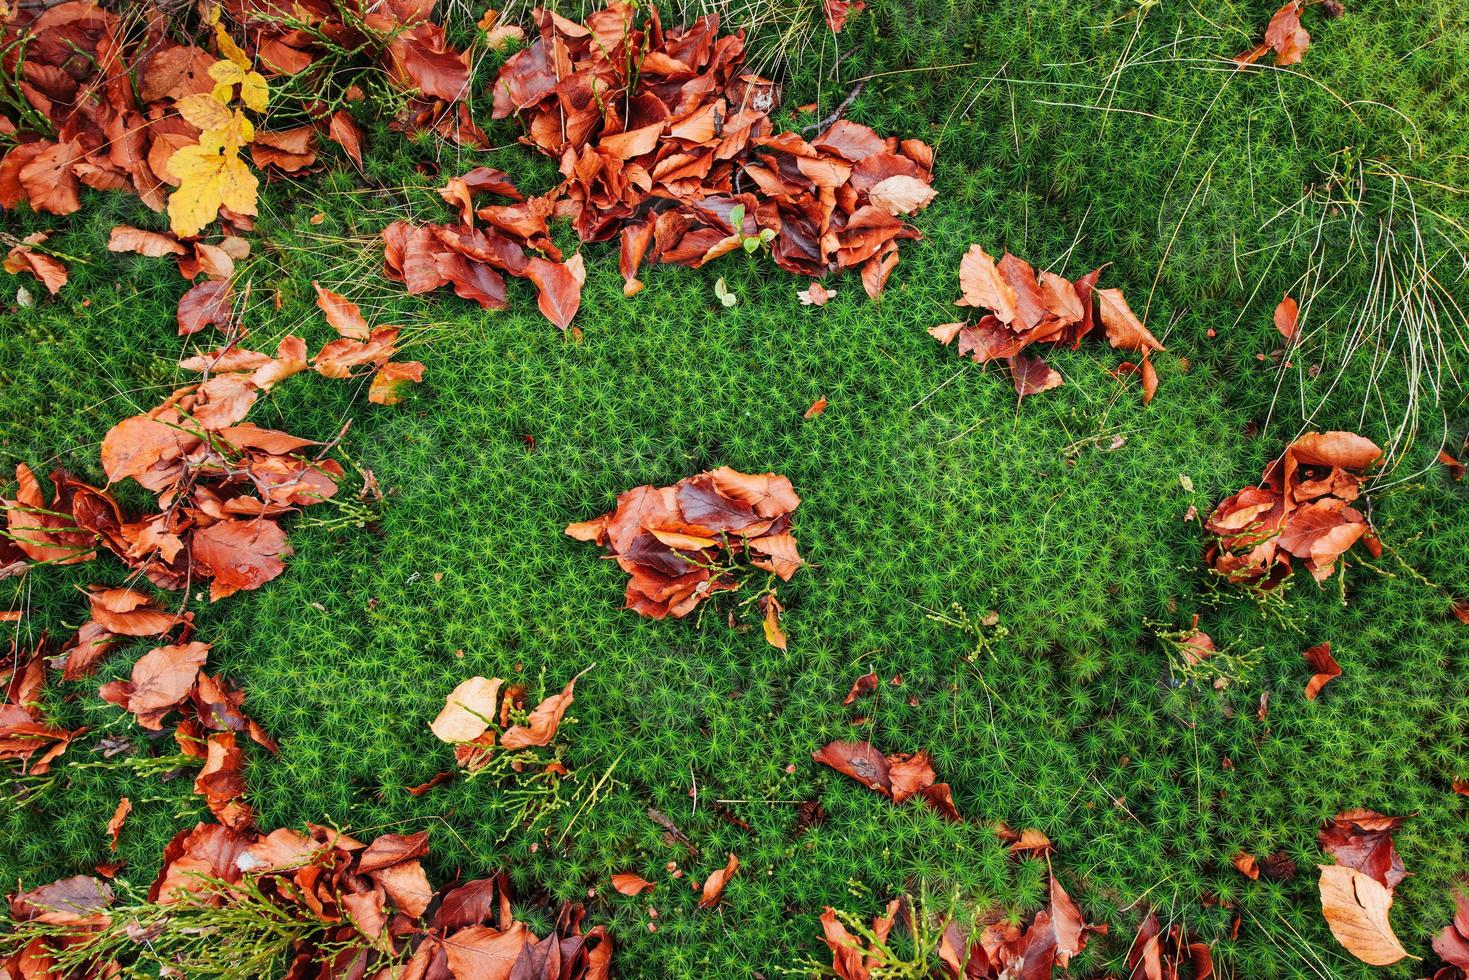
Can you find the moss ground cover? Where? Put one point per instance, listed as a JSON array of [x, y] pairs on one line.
[[1071, 133]]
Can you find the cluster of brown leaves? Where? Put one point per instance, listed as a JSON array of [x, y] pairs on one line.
[[171, 678], [471, 710], [399, 35], [109, 92], [164, 680], [1019, 307], [222, 487], [205, 303], [23, 257], [1056, 934], [659, 134], [381, 918], [1301, 508], [1285, 36], [1157, 954], [995, 949], [473, 259], [899, 776], [1357, 891], [683, 543], [1452, 943], [25, 736]]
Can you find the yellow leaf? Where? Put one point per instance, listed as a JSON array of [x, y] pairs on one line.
[[238, 186], [209, 176], [204, 111], [229, 48], [254, 92]]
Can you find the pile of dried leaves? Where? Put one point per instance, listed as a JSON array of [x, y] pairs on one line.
[[683, 543], [346, 907], [1357, 891], [665, 142], [1301, 508], [25, 737], [995, 949], [899, 776], [468, 720], [98, 94], [222, 487], [1019, 307]]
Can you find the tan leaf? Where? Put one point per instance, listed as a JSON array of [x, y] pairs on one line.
[[1124, 329], [1356, 908], [467, 710]]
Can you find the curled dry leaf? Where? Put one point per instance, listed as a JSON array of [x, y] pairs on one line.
[[540, 727], [1247, 865], [23, 257], [863, 685], [714, 885], [1324, 666], [815, 294], [114, 824]]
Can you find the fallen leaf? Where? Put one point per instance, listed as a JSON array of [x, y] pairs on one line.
[[1324, 666], [631, 884], [342, 314], [1356, 908], [1361, 839], [815, 294], [468, 710], [715, 883], [114, 824], [1287, 319], [540, 727], [863, 685]]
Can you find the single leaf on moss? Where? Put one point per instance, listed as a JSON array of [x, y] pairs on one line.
[[631, 884], [714, 885], [1325, 668], [468, 710], [1356, 908]]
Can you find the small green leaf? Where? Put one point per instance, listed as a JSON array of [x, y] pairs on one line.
[[722, 293]]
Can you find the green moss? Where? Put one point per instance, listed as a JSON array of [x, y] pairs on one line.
[[923, 484]]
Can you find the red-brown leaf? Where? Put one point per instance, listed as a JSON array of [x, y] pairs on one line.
[[715, 883], [1324, 666]]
